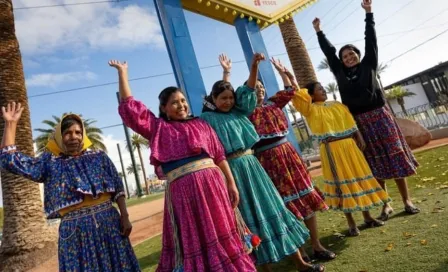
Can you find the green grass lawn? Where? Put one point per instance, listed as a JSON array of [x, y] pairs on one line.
[[135, 200], [405, 243]]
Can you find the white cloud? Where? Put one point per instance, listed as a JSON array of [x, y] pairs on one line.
[[96, 26], [53, 80]]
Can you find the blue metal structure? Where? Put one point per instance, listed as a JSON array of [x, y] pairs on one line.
[[181, 52], [252, 42], [184, 62]]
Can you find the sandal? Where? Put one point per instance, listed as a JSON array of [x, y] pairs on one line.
[[374, 223], [411, 209], [314, 268], [325, 255], [384, 216], [352, 232]]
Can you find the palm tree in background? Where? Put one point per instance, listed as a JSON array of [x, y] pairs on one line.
[[382, 68], [138, 142], [94, 133], [293, 112], [27, 240], [130, 169], [323, 65], [399, 93], [332, 88]]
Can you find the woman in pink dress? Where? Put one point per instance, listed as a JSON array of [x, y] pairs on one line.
[[199, 228]]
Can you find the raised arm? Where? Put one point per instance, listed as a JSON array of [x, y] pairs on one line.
[[123, 80], [371, 51], [282, 72], [226, 64], [302, 101], [11, 115], [133, 113], [327, 48], [12, 160], [283, 97], [245, 98], [253, 76]]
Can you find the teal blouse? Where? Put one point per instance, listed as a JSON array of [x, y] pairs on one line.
[[234, 129]]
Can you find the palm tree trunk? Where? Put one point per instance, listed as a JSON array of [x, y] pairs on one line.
[[298, 55], [297, 126], [403, 108], [27, 240], [143, 169]]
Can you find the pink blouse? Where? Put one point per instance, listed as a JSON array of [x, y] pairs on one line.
[[171, 140]]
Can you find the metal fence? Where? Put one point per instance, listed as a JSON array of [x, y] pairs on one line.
[[431, 116]]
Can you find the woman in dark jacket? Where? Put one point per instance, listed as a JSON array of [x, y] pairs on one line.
[[386, 150]]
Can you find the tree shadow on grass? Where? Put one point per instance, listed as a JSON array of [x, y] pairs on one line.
[[443, 267]]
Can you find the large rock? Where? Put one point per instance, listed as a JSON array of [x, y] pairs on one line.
[[415, 134]]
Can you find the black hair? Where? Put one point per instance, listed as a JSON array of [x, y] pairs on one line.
[[262, 83], [69, 121], [219, 87], [350, 47], [311, 86], [164, 96]]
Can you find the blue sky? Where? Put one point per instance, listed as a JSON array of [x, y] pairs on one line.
[[68, 47]]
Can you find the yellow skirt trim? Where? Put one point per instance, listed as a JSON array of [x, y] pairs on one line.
[[360, 191]]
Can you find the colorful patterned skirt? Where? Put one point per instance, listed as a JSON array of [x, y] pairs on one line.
[[90, 241], [387, 152], [205, 224], [264, 212], [287, 171], [353, 187]]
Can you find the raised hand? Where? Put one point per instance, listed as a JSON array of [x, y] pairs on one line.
[[120, 66], [367, 5], [278, 65], [226, 63], [316, 24], [291, 78], [257, 58], [12, 112]]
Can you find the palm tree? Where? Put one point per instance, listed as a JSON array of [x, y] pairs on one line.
[[293, 112], [399, 93], [138, 142], [94, 134], [297, 53], [323, 65], [27, 240], [332, 88], [382, 68], [130, 169]]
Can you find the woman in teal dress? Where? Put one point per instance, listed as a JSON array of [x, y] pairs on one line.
[[261, 206]]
